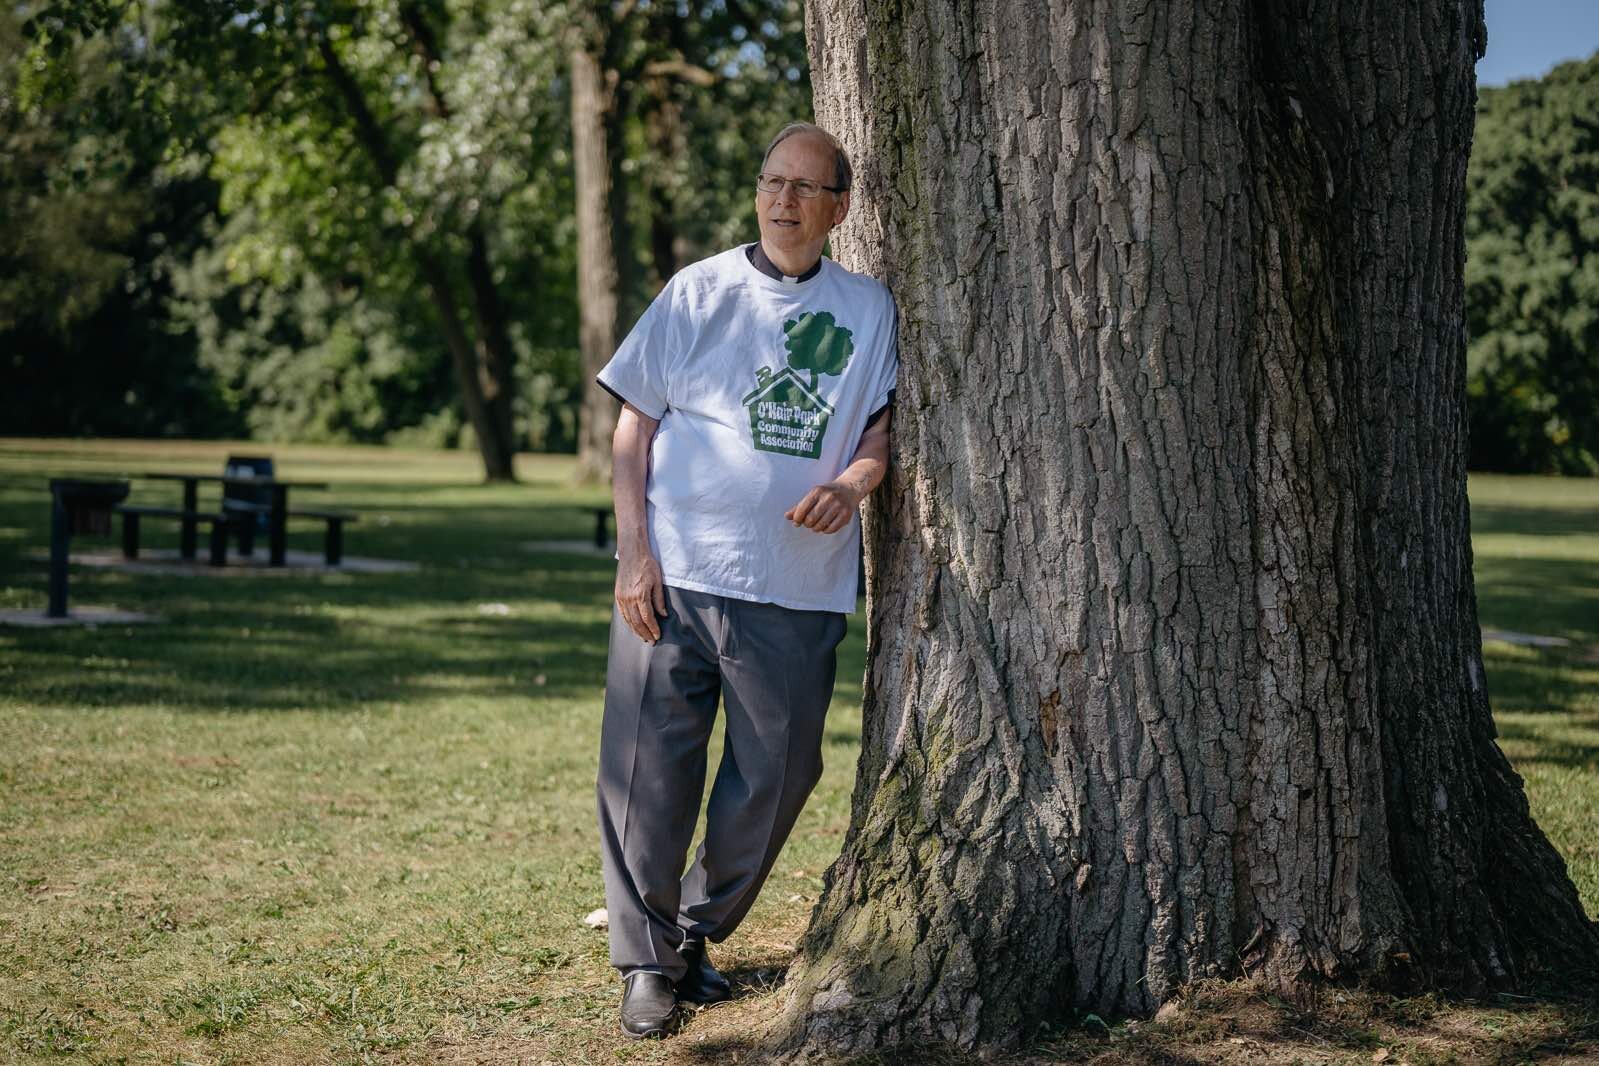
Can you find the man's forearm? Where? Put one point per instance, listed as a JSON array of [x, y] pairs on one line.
[[865, 471], [863, 475], [630, 464]]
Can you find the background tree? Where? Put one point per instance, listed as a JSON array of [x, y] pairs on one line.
[[94, 222], [1532, 274], [297, 290], [597, 40], [374, 146], [474, 201], [1175, 669], [649, 182]]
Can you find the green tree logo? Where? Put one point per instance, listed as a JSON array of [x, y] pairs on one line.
[[818, 344]]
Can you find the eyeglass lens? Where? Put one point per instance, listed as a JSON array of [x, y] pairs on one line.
[[775, 182]]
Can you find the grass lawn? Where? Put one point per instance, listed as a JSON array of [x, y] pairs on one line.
[[349, 818]]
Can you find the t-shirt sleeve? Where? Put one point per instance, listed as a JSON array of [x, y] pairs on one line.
[[637, 372], [888, 371]]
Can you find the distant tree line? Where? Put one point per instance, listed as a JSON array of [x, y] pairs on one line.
[[1532, 274], [352, 221], [424, 222]]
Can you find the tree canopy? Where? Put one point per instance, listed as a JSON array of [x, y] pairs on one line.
[[337, 176], [815, 342], [1532, 274], [208, 235]]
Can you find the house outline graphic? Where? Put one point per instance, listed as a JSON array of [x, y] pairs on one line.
[[769, 380], [779, 432]]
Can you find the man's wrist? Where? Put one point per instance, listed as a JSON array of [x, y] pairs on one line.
[[855, 487], [633, 546]]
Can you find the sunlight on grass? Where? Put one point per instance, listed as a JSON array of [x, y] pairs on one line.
[[1536, 547], [338, 818]]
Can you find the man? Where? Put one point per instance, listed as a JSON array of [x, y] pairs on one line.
[[755, 394]]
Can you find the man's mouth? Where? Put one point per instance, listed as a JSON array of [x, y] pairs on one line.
[[785, 222]]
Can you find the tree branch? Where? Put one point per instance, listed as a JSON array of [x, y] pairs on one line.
[[681, 69], [367, 127], [425, 45]]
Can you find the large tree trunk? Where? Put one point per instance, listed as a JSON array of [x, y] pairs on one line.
[[663, 131], [496, 358], [596, 258], [1175, 669]]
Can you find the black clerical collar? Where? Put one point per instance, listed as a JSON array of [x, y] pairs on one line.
[[758, 258]]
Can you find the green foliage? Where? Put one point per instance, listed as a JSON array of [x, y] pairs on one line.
[[549, 391], [327, 225], [301, 358], [301, 295], [1532, 274], [815, 342], [93, 225], [328, 147], [700, 172]]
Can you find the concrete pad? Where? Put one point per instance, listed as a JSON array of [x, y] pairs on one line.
[[167, 561], [1526, 640], [76, 616]]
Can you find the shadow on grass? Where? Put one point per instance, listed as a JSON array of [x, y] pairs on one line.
[[1533, 520], [1536, 746], [1537, 681], [1515, 594], [1239, 1021], [483, 617]]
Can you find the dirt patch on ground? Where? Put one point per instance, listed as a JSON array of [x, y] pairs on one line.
[[1232, 1023]]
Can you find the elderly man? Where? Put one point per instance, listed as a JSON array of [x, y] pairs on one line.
[[756, 391]]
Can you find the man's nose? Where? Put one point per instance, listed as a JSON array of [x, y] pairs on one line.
[[786, 195]]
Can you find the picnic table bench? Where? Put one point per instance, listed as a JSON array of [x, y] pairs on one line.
[[131, 516], [253, 501]]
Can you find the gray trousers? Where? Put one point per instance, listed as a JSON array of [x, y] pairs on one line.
[[774, 669]]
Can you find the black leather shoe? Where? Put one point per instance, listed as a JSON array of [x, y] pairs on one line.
[[649, 1009], [702, 984]]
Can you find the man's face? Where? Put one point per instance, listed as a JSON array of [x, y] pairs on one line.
[[792, 225]]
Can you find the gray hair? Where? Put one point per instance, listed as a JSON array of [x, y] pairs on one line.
[[842, 174]]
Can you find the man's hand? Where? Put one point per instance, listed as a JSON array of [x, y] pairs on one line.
[[826, 508], [641, 595]]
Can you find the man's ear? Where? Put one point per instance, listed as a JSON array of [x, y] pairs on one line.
[[841, 208]]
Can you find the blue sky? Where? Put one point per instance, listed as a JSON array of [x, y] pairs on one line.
[[1527, 37]]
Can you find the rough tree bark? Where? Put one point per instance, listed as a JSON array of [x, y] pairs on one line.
[[1175, 665], [596, 256]]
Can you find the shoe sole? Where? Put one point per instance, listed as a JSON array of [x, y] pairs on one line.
[[649, 1034], [660, 1032]]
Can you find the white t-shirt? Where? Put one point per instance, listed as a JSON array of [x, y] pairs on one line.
[[762, 389]]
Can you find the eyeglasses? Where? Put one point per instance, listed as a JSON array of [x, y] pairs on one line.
[[803, 187]]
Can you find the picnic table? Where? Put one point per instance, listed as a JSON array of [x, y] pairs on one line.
[[77, 505], [277, 511]]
